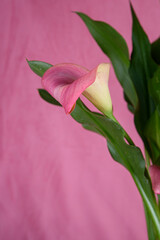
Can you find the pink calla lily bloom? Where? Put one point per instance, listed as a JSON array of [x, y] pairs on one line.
[[66, 82], [155, 178]]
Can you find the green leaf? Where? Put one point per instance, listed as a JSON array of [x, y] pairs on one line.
[[152, 133], [141, 71], [155, 50], [47, 97], [154, 86], [39, 67], [129, 104], [128, 155], [152, 128], [115, 47]]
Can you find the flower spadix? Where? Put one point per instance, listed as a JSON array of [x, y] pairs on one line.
[[66, 82]]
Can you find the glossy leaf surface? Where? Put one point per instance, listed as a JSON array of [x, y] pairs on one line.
[[39, 67]]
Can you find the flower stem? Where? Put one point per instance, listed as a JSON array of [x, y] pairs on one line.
[[126, 136], [150, 227]]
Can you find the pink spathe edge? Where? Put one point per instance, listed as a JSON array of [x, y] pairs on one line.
[[66, 82], [155, 178]]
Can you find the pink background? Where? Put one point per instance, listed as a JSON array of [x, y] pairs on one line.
[[57, 180]]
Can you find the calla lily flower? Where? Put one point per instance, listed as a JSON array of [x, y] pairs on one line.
[[66, 82], [155, 178]]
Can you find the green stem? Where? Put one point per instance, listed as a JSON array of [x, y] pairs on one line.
[[152, 208], [158, 195], [150, 227], [127, 137]]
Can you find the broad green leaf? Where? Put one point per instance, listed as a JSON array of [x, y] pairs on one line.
[[154, 86], [155, 50], [39, 67], [152, 129], [47, 97], [152, 133], [141, 71], [115, 47], [128, 155]]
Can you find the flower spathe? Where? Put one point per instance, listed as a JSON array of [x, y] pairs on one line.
[[155, 178], [66, 82]]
